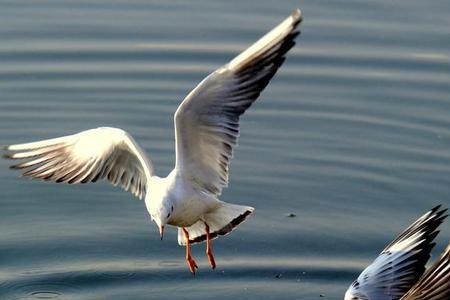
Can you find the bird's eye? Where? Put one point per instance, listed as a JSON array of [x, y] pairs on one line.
[[171, 208]]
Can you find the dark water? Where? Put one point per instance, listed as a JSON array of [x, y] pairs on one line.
[[352, 136]]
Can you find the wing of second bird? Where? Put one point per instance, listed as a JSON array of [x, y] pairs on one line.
[[400, 265]]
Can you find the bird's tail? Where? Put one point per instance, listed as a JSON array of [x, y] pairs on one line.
[[221, 221]]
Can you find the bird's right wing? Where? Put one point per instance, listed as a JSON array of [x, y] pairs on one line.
[[207, 121], [400, 265], [87, 156], [435, 283]]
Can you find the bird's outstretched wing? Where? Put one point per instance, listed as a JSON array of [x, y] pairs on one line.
[[400, 265], [104, 152], [435, 283], [207, 121]]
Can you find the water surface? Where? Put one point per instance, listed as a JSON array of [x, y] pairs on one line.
[[352, 136]]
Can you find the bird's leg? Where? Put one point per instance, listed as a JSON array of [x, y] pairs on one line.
[[189, 260], [209, 253]]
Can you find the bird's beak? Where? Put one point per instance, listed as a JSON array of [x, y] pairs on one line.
[[161, 231]]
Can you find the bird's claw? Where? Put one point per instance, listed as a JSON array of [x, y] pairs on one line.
[[192, 265], [211, 260]]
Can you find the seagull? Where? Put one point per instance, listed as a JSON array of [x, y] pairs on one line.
[[398, 272], [206, 132]]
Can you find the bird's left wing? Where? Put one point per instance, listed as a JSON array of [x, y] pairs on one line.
[[400, 265], [87, 156], [435, 283], [207, 121]]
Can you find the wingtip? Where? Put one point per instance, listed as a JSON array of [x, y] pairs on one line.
[[436, 208], [436, 216], [296, 19], [441, 208], [296, 14], [440, 212], [8, 156], [14, 167]]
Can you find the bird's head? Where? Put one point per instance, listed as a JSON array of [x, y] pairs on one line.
[[161, 216], [160, 212], [159, 202]]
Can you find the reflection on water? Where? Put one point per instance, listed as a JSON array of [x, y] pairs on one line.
[[352, 136]]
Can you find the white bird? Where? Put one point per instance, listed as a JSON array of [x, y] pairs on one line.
[[398, 272], [206, 131]]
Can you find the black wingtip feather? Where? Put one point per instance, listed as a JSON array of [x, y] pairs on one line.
[[278, 50], [428, 222], [15, 167]]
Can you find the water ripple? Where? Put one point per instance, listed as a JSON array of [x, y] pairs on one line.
[[354, 126]]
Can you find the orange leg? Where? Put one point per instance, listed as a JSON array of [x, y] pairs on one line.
[[189, 260], [209, 253]]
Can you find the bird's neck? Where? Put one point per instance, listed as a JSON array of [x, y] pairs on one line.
[[160, 192]]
